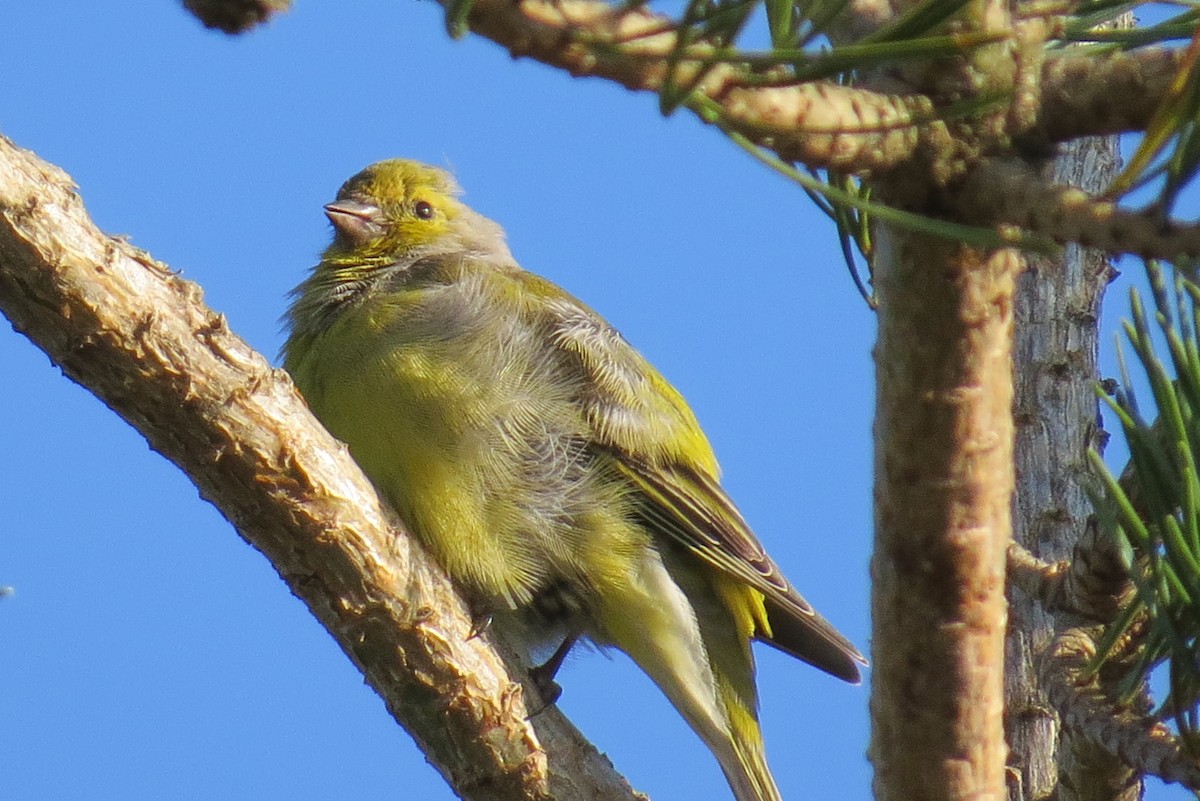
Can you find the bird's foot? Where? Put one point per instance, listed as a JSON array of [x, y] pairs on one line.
[[542, 676]]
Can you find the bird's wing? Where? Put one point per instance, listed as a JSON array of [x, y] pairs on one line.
[[656, 442], [692, 508]]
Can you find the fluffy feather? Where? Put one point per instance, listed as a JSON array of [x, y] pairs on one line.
[[559, 479]]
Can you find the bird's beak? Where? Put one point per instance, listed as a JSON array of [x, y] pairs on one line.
[[355, 221]]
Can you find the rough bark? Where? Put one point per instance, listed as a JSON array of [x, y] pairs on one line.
[[943, 483], [1010, 191], [124, 327], [1055, 414], [1086, 95], [1112, 745]]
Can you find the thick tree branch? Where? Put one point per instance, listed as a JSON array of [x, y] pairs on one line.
[[126, 328]]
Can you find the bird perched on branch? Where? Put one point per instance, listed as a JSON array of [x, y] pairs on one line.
[[555, 475]]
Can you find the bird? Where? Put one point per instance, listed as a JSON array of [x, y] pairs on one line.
[[558, 478]]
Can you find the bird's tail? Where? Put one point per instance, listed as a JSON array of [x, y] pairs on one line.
[[733, 733], [697, 650], [730, 726], [742, 757]]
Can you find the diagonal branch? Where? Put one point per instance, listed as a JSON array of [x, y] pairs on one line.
[[123, 326]]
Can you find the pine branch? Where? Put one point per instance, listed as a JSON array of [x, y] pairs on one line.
[[824, 124], [1090, 95], [1139, 741], [819, 123], [1091, 585], [123, 326], [1008, 192]]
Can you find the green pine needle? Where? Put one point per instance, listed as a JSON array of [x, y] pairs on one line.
[[1154, 511]]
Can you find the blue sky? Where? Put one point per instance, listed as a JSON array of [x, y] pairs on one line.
[[147, 651]]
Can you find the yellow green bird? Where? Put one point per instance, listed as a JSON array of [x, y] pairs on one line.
[[555, 475]]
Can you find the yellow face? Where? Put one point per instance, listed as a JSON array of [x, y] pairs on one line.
[[391, 208], [387, 218]]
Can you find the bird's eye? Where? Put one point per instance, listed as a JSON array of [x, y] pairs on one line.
[[423, 210]]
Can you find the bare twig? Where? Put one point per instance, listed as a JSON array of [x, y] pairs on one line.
[[235, 16]]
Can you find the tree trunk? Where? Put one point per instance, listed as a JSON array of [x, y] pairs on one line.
[[1057, 316]]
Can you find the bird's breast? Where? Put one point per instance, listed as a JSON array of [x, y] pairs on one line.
[[467, 421]]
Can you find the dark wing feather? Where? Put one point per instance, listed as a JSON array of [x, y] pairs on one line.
[[637, 416], [693, 509]]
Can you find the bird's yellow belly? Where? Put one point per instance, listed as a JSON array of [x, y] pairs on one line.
[[486, 459], [419, 431]]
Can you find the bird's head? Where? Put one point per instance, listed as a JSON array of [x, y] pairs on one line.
[[387, 219], [398, 209]]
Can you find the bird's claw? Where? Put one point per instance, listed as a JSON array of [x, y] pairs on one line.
[[479, 624]]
